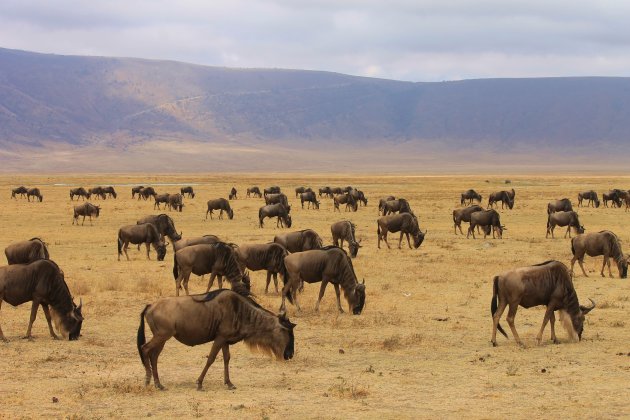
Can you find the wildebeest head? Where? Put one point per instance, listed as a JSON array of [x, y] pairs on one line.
[[287, 331], [578, 318], [354, 248], [69, 325], [418, 238], [160, 248], [230, 213], [622, 265], [98, 210], [359, 292], [580, 229], [596, 203], [288, 221]]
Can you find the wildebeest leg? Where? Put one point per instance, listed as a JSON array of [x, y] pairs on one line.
[[609, 272], [125, 246], [153, 349], [336, 286], [510, 320], [275, 281], [216, 346], [604, 266], [48, 319], [321, 294], [568, 231], [408, 243], [211, 281], [548, 315], [384, 234], [2, 337], [552, 319], [400, 240], [495, 321], [34, 308], [220, 278], [221, 214], [581, 261], [148, 245], [226, 367]]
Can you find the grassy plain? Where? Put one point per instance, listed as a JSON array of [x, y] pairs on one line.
[[420, 349]]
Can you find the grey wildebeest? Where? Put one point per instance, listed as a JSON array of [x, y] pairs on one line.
[[612, 195], [25, 252], [358, 196], [325, 191], [330, 264], [175, 202], [187, 191], [219, 204], [34, 192], [591, 196], [463, 215], [19, 190], [78, 192], [277, 198], [303, 240], [564, 218], [563, 204], [97, 192], [145, 233], [254, 191], [310, 198], [488, 220], [382, 201], [399, 205], [217, 259], [405, 223], [347, 199], [147, 192], [43, 283], [222, 316], [268, 257], [164, 225], [271, 190], [275, 210], [110, 191], [160, 198], [546, 284], [505, 197], [233, 193], [136, 190], [344, 230], [467, 197], [595, 244], [86, 209]]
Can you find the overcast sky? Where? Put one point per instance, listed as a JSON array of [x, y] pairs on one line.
[[413, 40]]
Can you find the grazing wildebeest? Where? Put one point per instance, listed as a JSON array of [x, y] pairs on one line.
[[233, 193], [382, 201], [164, 225], [330, 264], [591, 196], [546, 284], [217, 259], [467, 197], [559, 205], [79, 192], [147, 192], [405, 223], [624, 197], [612, 195], [327, 191], [310, 198], [25, 252], [271, 190], [220, 204], [254, 191], [399, 205], [463, 215], [268, 257], [275, 210], [303, 240], [43, 283], [136, 190], [175, 202], [145, 233], [595, 244], [358, 196], [97, 192], [302, 190], [187, 190], [19, 190], [336, 190], [277, 198], [505, 197], [222, 316], [110, 191], [34, 192], [487, 219], [344, 231], [160, 198], [347, 199], [85, 209], [564, 218]]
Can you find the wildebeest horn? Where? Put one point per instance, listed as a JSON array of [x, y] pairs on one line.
[[283, 314], [363, 282], [80, 304], [425, 231], [585, 309], [167, 243]]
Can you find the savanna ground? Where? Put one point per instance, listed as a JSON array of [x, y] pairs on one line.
[[421, 348]]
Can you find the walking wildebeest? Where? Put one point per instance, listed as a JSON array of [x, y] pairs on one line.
[[463, 215], [310, 198], [559, 205], [222, 316], [505, 197], [327, 191], [405, 223], [219, 204], [19, 190], [612, 195], [175, 202], [595, 244], [233, 193], [347, 199], [488, 220], [344, 231], [330, 264], [160, 198], [358, 196], [147, 192], [382, 201], [25, 252], [271, 190], [467, 197], [145, 233], [43, 283], [564, 218], [399, 205], [187, 191], [97, 192], [277, 198], [136, 190], [302, 190], [303, 240], [85, 209], [546, 284], [111, 193], [591, 196], [34, 192], [275, 210], [254, 191], [164, 225], [268, 257], [79, 192]]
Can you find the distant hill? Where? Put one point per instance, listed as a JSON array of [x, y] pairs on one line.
[[125, 114]]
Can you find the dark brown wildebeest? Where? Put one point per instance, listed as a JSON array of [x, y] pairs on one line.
[[399, 205], [382, 201], [222, 316], [488, 220], [277, 198], [183, 243], [627, 200], [220, 204], [564, 218], [271, 190], [97, 192], [344, 231], [34, 192], [595, 244], [463, 215], [233, 193], [358, 196], [176, 202], [302, 190], [217, 259], [559, 205], [268, 257], [591, 196], [145, 233], [347, 189], [612, 195], [85, 209], [43, 283], [110, 191], [164, 225], [347, 199], [330, 264], [505, 197], [147, 192], [336, 190], [136, 190], [160, 198], [624, 197], [79, 192], [303, 240], [19, 190], [275, 210], [310, 198], [254, 191], [187, 191], [546, 284], [467, 197], [405, 223], [327, 191], [25, 252]]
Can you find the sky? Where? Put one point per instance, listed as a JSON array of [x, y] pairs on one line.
[[414, 40]]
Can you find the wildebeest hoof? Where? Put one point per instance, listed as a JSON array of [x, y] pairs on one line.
[[494, 343], [555, 341], [28, 337], [231, 386]]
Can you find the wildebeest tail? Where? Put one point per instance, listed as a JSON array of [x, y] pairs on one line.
[[260, 218], [120, 244], [141, 337], [285, 279], [572, 246], [495, 302], [175, 268]]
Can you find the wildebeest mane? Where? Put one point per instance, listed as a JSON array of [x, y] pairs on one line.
[[543, 263]]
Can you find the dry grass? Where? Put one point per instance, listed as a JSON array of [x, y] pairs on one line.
[[420, 349]]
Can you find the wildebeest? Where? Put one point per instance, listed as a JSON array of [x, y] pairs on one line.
[[79, 192], [160, 198], [488, 220], [147, 192], [164, 225], [467, 197], [187, 191], [110, 191], [612, 195], [327, 191], [43, 283], [624, 197], [233, 193], [277, 198], [336, 190], [595, 244], [347, 199], [463, 215], [85, 209], [254, 191], [564, 218], [330, 264], [34, 192], [591, 196], [310, 198], [219, 204], [275, 210], [271, 190], [302, 190], [268, 257], [222, 316], [303, 240], [175, 202], [563, 204], [25, 252], [184, 242], [19, 190], [382, 201], [505, 197], [344, 230], [136, 190], [358, 196], [399, 205], [546, 284], [627, 200], [405, 223], [97, 192], [145, 233]]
